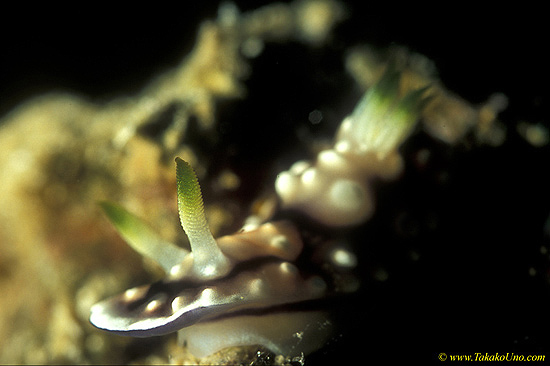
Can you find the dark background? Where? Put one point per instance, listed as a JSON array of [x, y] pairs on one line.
[[475, 216]]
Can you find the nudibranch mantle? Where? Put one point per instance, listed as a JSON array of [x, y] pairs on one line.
[[240, 281]]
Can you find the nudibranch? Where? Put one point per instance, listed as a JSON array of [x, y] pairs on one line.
[[335, 189], [250, 288], [225, 292]]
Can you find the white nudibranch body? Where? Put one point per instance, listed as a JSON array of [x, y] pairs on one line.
[[335, 189]]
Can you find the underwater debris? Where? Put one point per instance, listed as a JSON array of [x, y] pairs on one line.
[[214, 69], [536, 134]]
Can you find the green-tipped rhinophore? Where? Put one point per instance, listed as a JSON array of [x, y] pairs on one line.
[[382, 120], [142, 238], [208, 260]]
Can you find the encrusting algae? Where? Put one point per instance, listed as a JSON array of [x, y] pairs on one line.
[[266, 276]]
